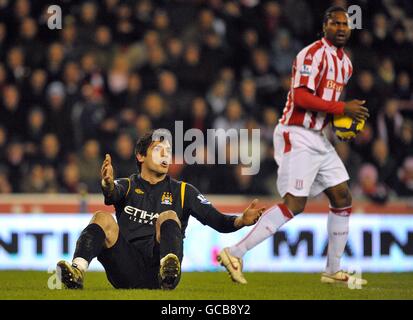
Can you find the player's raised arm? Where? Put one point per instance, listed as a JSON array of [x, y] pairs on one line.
[[114, 191], [106, 173], [206, 213]]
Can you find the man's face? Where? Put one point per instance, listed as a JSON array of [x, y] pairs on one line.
[[337, 29], [158, 157]]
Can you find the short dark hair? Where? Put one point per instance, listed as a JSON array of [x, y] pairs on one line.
[[329, 11], [144, 142]]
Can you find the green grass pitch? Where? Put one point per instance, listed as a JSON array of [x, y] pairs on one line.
[[212, 286]]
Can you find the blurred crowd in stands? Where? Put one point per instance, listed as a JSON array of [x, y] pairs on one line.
[[119, 68]]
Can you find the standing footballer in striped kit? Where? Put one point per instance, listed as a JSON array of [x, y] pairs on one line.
[[308, 163]]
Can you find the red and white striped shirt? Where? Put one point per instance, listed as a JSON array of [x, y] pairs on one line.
[[325, 70]]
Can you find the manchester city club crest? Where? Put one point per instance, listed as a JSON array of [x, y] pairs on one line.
[[166, 198]]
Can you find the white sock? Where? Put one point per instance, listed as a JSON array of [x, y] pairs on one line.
[[81, 264], [267, 225], [337, 227]]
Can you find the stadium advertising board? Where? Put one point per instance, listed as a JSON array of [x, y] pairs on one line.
[[377, 243]]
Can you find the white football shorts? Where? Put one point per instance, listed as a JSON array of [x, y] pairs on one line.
[[307, 162]]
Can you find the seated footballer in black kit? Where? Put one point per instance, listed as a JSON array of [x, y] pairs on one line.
[[143, 248]]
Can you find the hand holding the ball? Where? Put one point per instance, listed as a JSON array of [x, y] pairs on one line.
[[355, 109]]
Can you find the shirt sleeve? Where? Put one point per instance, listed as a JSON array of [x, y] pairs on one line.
[[307, 69], [306, 100], [199, 207], [119, 192]]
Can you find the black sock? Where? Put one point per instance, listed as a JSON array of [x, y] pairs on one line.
[[171, 239], [90, 242]]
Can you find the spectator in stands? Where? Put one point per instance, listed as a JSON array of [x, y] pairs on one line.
[[103, 49], [405, 142], [117, 82], [157, 110], [124, 156], [385, 164], [369, 186], [87, 114], [38, 181], [233, 117], [190, 72], [35, 89], [248, 97], [351, 160], [3, 143], [16, 163], [218, 96], [32, 48], [199, 116], [264, 75], [364, 54], [12, 112], [400, 48], [72, 78], [199, 173], [5, 186], [16, 65], [366, 89], [134, 92], [89, 165], [403, 90], [55, 61], [88, 21], [58, 114], [387, 76], [389, 124], [161, 23], [51, 154], [142, 125], [169, 89], [35, 130], [270, 119], [69, 39], [285, 50], [405, 179], [154, 66], [3, 75], [70, 178]]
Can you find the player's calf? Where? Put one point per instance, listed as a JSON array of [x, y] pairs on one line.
[[102, 232]]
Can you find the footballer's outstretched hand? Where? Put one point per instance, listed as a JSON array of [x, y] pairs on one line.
[[250, 215], [107, 172], [355, 109]]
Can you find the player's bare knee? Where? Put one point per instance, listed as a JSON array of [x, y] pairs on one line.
[[295, 204], [107, 223], [342, 198], [168, 215]]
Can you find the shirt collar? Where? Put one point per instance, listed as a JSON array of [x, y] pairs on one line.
[[339, 51], [146, 183]]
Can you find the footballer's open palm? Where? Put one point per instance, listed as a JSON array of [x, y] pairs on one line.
[[107, 170], [252, 213]]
